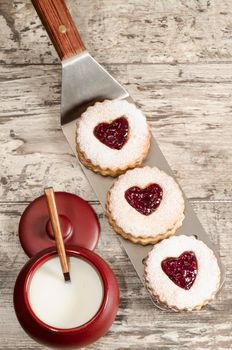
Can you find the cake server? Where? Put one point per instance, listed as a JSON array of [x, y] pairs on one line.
[[84, 82]]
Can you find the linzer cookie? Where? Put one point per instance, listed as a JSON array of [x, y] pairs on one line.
[[112, 136], [145, 205], [181, 272]]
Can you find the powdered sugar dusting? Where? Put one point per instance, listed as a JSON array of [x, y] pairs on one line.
[[169, 212], [207, 280], [107, 111]]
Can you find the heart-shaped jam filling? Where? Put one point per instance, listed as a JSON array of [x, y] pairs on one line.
[[145, 200], [182, 270], [114, 134]]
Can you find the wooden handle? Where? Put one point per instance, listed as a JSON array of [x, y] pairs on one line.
[[58, 22], [56, 228]]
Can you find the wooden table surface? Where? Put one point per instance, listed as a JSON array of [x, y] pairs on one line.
[[175, 59]]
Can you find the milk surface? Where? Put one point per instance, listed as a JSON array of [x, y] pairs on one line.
[[63, 304]]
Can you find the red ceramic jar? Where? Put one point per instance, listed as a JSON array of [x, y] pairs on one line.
[[72, 337]]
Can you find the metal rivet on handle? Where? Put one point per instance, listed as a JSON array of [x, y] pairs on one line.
[[62, 29]]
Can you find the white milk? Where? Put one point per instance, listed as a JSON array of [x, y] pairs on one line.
[[63, 304]]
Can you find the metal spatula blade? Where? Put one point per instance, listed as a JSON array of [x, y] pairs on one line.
[[84, 82]]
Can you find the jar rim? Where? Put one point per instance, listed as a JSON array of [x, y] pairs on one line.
[[82, 253]]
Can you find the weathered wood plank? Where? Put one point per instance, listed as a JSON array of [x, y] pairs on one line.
[[138, 325], [188, 104], [188, 107], [121, 31]]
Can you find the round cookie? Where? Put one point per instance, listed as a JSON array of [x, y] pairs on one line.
[[145, 205], [182, 273], [112, 136]]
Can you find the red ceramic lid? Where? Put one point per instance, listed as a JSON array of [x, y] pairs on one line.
[[79, 224]]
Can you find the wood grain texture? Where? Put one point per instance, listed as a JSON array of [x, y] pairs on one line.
[[175, 58], [190, 114], [119, 31], [56, 228], [138, 325], [60, 27]]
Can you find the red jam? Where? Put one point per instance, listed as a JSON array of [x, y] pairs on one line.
[[182, 270], [145, 200], [113, 135]]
